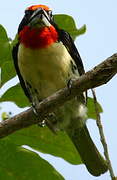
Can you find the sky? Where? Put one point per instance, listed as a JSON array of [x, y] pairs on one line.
[[99, 42]]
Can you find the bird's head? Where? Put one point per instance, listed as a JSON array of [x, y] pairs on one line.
[[36, 29], [40, 16]]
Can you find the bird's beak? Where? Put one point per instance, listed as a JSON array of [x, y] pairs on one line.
[[39, 19]]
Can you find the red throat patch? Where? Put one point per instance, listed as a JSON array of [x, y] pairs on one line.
[[38, 38]]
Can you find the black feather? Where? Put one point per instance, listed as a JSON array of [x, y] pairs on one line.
[[15, 59], [68, 42], [25, 19]]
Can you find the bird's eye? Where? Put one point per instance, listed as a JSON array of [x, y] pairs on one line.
[[28, 12], [50, 13]]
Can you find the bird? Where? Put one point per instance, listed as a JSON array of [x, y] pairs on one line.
[[46, 60]]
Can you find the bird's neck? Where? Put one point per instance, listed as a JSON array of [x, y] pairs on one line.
[[38, 38]]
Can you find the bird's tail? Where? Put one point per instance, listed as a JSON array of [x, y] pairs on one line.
[[90, 156]]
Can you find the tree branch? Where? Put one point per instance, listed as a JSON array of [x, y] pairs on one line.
[[98, 76]]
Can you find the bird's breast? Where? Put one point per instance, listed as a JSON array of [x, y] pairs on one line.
[[47, 70]]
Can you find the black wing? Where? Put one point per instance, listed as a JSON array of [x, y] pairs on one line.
[[15, 59], [69, 44], [24, 22]]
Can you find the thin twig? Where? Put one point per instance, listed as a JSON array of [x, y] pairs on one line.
[[103, 139]]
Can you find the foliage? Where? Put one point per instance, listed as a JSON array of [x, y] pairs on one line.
[[17, 162], [6, 63]]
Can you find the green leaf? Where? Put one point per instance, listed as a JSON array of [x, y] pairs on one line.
[[6, 62], [91, 108], [21, 164], [5, 116], [15, 41], [43, 140], [16, 95], [8, 72], [5, 48], [67, 23]]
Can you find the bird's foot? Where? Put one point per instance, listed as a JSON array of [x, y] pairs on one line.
[[51, 122]]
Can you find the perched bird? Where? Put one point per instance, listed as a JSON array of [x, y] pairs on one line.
[[45, 60]]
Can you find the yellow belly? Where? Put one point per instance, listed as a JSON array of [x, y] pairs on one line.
[[47, 70]]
